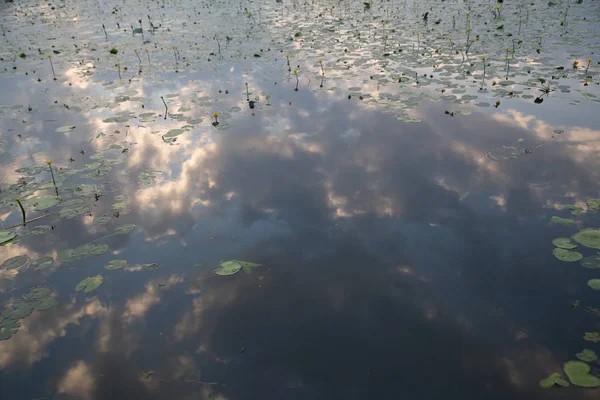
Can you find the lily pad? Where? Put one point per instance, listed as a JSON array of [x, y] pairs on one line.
[[587, 355], [124, 228], [15, 262], [593, 337], [47, 202], [562, 221], [17, 309], [66, 128], [594, 284], [554, 379], [41, 263], [40, 230], [247, 266], [588, 237], [38, 292], [152, 266], [228, 268], [173, 133], [564, 243], [6, 236], [89, 284], [567, 255], [116, 264], [44, 304], [85, 251], [578, 373], [593, 204], [591, 262], [8, 327]]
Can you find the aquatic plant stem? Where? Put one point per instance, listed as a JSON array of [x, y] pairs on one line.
[[49, 162], [22, 211], [52, 66], [166, 108]]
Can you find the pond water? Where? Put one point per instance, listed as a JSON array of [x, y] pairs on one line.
[[413, 189]]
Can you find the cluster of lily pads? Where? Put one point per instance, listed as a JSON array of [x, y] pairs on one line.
[[578, 372], [37, 299]]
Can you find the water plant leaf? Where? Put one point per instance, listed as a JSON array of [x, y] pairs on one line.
[[592, 262], [567, 255], [115, 264], [15, 262], [39, 230], [593, 337], [17, 309], [38, 292], [8, 327], [41, 263], [66, 128], [562, 221], [85, 251], [578, 373], [587, 355], [173, 133], [554, 379], [227, 268], [6, 236], [44, 203], [588, 237], [593, 204], [152, 266], [124, 229], [594, 284], [89, 284], [44, 304], [564, 243]]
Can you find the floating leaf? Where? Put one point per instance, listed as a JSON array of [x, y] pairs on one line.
[[40, 230], [566, 255], [8, 327], [6, 236], [588, 237], [593, 204], [66, 128], [587, 355], [38, 292], [46, 202], [554, 379], [85, 251], [152, 266], [564, 243], [17, 309], [228, 268], [41, 263], [44, 304], [116, 264], [173, 133], [15, 262], [562, 221], [594, 284], [124, 229], [593, 337], [89, 284], [591, 262], [579, 374]]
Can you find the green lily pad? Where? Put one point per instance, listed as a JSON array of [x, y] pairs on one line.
[[594, 284], [564, 243], [587, 355], [593, 204], [152, 266], [591, 262], [173, 133], [562, 221], [116, 264], [66, 128], [8, 327], [72, 212], [575, 210], [247, 266], [588, 237], [40, 230], [15, 262], [41, 263], [567, 255], [44, 304], [38, 292], [124, 229], [89, 284], [6, 236], [227, 268], [17, 309], [554, 379], [593, 337], [102, 220], [47, 202], [579, 374], [85, 251]]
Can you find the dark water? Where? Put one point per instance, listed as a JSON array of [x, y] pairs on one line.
[[400, 260]]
